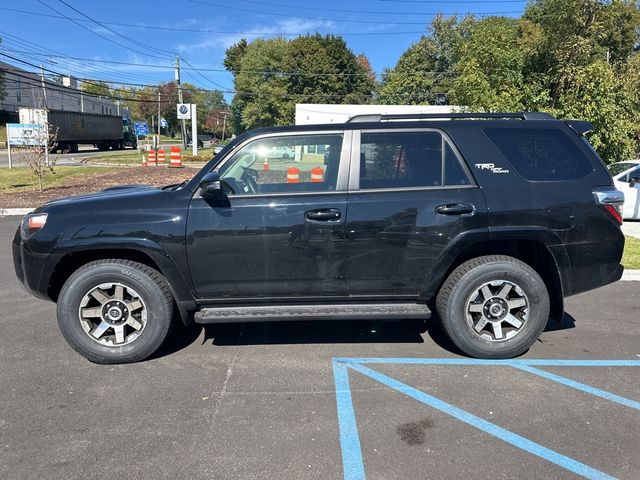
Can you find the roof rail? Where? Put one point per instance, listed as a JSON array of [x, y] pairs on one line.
[[446, 116]]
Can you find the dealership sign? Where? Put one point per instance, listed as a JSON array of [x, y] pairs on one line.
[[25, 134], [184, 111]]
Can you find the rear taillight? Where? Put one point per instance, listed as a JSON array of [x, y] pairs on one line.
[[611, 200]]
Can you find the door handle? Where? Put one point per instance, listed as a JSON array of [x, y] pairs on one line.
[[455, 209], [323, 215]]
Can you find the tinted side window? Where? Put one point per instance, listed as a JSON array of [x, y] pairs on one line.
[[286, 164], [541, 154], [454, 174], [407, 159]]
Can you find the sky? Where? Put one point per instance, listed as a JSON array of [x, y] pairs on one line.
[[137, 41]]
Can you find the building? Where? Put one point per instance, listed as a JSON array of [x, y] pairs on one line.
[[24, 89], [312, 113]]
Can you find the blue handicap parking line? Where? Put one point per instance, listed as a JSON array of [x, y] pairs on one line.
[[353, 466]]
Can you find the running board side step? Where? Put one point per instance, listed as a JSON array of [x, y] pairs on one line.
[[368, 311]]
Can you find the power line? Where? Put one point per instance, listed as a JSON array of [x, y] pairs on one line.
[[215, 32], [320, 19], [124, 37], [373, 12], [96, 33], [453, 1]]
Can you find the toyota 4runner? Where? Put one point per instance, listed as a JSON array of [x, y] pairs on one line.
[[487, 220]]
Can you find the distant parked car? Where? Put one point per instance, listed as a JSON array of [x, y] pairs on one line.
[[626, 177], [278, 151], [200, 142]]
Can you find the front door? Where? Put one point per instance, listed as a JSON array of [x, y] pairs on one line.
[[281, 234], [409, 196]]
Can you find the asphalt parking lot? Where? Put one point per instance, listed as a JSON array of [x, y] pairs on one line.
[[324, 400]]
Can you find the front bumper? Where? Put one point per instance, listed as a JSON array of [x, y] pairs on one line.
[[33, 270]]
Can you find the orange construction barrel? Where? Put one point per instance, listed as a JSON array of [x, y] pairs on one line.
[[152, 157], [293, 175], [176, 158], [317, 174]]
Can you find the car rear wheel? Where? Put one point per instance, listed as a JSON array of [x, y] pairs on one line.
[[115, 311], [493, 307]]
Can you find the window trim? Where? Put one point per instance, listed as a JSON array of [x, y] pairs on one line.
[[354, 171], [343, 167]]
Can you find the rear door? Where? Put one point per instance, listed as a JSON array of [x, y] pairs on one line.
[[410, 195]]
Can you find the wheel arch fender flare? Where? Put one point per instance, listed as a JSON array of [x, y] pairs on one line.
[[73, 253], [513, 241]]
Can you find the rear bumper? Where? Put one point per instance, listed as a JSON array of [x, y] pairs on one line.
[[589, 265]]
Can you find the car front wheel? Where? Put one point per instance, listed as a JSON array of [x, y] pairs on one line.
[[115, 311], [493, 307]]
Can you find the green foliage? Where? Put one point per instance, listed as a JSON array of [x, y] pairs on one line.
[[271, 76], [97, 88], [209, 102], [572, 58]]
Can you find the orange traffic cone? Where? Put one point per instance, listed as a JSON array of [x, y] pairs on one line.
[[161, 157], [176, 158], [265, 165], [293, 175], [152, 157], [316, 174]]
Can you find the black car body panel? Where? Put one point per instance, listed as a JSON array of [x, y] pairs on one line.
[[386, 245]]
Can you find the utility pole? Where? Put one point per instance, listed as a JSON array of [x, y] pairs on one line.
[[45, 125], [224, 125], [44, 89], [184, 125]]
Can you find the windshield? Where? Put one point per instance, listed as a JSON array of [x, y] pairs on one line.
[[618, 168]]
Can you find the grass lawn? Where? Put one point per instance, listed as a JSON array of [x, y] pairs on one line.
[[133, 157], [21, 179], [631, 256], [128, 157]]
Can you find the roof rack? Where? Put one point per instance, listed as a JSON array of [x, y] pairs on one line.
[[446, 116]]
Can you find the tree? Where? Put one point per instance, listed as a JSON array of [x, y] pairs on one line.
[[571, 58], [412, 81], [271, 76], [261, 89], [210, 104], [97, 88], [423, 73], [37, 156], [490, 67]]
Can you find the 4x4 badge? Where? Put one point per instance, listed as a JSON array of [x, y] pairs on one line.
[[492, 167]]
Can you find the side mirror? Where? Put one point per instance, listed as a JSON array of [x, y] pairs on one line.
[[211, 187], [633, 181]]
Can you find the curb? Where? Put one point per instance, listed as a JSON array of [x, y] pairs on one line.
[[631, 276], [5, 212]]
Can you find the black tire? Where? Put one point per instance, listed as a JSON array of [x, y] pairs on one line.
[[153, 291], [453, 306]]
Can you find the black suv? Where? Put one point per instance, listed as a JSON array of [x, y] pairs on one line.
[[489, 220]]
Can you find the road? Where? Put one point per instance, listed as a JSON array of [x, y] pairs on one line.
[[268, 401], [85, 151]]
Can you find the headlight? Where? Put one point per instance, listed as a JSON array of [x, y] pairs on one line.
[[33, 223]]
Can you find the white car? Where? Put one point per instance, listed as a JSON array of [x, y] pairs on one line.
[[626, 177]]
